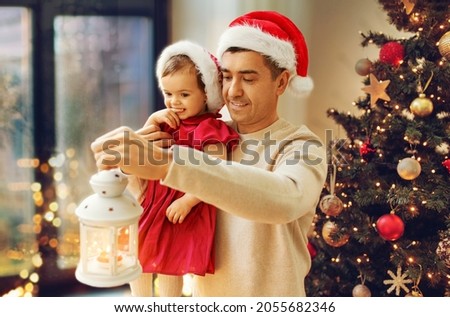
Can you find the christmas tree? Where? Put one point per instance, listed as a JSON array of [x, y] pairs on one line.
[[382, 226]]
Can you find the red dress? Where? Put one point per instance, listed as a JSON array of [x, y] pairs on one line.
[[188, 247]]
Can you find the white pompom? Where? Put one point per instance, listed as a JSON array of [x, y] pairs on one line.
[[301, 86]]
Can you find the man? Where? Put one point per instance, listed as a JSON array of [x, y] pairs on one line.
[[267, 191]]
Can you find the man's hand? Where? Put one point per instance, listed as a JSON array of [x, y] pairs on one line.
[[132, 153], [154, 134]]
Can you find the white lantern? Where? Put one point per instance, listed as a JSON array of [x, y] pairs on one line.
[[108, 232]]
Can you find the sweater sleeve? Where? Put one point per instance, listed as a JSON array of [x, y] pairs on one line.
[[289, 190]]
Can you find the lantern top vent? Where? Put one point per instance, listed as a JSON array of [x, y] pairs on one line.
[[109, 183], [111, 204]]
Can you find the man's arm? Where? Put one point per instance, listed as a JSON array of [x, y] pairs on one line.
[[278, 196], [180, 208], [291, 190]]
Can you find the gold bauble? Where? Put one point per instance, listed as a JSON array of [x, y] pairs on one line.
[[414, 293], [361, 290], [331, 205], [444, 45], [330, 228], [409, 168], [421, 106]]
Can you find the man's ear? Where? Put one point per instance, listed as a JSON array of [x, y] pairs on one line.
[[283, 82]]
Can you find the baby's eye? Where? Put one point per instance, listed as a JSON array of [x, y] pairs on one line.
[[167, 94], [184, 95]]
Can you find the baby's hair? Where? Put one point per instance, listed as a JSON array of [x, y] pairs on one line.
[[178, 62]]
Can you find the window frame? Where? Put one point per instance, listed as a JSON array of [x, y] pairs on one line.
[[54, 281]]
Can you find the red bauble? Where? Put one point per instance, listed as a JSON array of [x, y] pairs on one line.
[[312, 250], [392, 53], [446, 164], [390, 227], [367, 151]]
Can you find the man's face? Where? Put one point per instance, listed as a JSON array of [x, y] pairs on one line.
[[250, 93]]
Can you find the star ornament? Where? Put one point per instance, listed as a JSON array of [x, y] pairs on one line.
[[377, 89], [409, 6], [398, 281]]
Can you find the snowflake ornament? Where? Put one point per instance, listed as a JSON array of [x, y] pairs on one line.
[[398, 281]]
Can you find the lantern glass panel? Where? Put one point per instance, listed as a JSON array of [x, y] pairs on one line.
[[101, 251], [109, 250], [127, 241]]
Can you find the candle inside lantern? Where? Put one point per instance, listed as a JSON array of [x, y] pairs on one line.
[[104, 258], [123, 239]]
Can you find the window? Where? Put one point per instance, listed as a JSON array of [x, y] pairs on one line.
[[102, 72], [17, 238], [71, 70]]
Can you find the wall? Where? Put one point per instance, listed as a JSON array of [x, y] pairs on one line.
[[331, 29]]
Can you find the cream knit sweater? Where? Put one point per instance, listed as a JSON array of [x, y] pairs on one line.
[[266, 195]]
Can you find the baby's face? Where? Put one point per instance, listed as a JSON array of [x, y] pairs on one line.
[[182, 94]]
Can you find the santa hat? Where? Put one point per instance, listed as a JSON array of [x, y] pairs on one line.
[[206, 65], [275, 36]]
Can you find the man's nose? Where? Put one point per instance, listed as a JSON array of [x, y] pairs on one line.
[[235, 88]]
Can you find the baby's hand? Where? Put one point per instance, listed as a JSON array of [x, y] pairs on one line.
[[167, 116], [151, 130], [177, 211]]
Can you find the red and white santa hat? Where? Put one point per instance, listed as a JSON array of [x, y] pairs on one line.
[[205, 63], [274, 35]]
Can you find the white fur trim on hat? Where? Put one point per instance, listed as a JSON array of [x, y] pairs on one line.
[[205, 64], [281, 52]]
